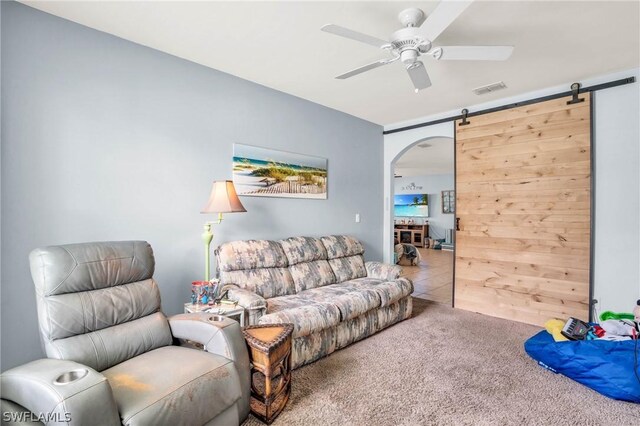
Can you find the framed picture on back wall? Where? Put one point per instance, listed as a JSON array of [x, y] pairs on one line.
[[448, 201], [263, 172]]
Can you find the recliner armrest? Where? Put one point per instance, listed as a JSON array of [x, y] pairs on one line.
[[383, 271], [61, 392], [221, 336], [218, 334]]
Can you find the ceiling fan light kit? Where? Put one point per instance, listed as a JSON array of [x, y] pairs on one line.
[[416, 39]]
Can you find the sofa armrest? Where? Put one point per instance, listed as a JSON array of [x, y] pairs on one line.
[[383, 271], [61, 392], [221, 336], [255, 304]]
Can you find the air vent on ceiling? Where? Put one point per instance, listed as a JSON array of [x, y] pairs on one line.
[[489, 88]]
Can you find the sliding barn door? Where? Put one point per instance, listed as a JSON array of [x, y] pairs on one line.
[[523, 201]]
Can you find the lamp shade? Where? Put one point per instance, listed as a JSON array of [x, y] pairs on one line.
[[223, 199]]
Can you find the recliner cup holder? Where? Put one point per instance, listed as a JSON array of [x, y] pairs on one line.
[[216, 318], [70, 376]]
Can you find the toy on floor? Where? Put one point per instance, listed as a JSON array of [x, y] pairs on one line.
[[608, 315], [574, 329], [618, 329], [554, 327]]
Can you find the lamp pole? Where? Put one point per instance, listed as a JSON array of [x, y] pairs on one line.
[[207, 237]]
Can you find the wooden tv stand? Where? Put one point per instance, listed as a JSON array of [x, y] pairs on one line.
[[411, 234]]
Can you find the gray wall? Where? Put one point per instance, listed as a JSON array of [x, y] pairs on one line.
[[432, 185], [103, 139], [617, 195]]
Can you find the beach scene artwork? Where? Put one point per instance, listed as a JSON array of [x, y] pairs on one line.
[[411, 205], [263, 172]]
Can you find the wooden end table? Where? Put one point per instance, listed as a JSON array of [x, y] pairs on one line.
[[270, 352]]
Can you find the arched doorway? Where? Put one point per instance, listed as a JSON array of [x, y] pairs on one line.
[[395, 145], [419, 165]]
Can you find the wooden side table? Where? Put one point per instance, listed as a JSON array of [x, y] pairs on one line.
[[270, 353]]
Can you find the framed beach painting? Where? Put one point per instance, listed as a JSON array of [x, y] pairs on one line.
[[263, 172]]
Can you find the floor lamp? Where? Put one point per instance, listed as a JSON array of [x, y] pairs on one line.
[[223, 199]]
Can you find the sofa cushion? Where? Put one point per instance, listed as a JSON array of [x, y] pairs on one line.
[[345, 257], [351, 301], [277, 304], [306, 319], [389, 291], [251, 254], [348, 268], [259, 266], [341, 246], [303, 249], [147, 393], [313, 274], [307, 262]]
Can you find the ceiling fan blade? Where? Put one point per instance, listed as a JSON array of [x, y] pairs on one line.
[[353, 35], [419, 76], [364, 68], [445, 13], [472, 53]]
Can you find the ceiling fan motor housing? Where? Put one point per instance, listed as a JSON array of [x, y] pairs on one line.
[[409, 44]]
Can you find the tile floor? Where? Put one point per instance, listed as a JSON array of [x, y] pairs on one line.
[[433, 278]]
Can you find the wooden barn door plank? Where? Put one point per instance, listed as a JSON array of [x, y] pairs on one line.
[[523, 200]]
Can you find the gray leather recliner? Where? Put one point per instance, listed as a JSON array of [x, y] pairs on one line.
[[111, 353]]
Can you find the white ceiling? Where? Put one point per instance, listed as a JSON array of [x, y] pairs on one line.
[[280, 45], [435, 159]]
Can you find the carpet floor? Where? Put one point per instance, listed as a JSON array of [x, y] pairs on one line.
[[443, 367]]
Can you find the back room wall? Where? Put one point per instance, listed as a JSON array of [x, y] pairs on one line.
[[104, 139]]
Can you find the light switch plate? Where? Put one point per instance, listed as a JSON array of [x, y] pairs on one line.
[[357, 217]]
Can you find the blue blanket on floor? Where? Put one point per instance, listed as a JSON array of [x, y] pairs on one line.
[[606, 367]]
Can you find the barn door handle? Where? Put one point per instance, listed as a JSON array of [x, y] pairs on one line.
[[457, 223]]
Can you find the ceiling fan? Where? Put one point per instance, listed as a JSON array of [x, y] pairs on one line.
[[416, 39]]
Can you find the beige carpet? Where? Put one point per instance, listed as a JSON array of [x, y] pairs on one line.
[[444, 367]]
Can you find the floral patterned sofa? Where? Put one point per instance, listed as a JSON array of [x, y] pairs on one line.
[[321, 285]]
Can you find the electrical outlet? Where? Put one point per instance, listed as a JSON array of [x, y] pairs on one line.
[[357, 217]]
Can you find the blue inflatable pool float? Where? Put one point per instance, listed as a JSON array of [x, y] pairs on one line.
[[606, 367]]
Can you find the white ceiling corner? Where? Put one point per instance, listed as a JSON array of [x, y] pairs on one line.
[[280, 45]]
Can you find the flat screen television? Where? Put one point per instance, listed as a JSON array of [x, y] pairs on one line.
[[411, 205]]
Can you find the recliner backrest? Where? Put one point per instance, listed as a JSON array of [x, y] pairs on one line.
[[97, 302]]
